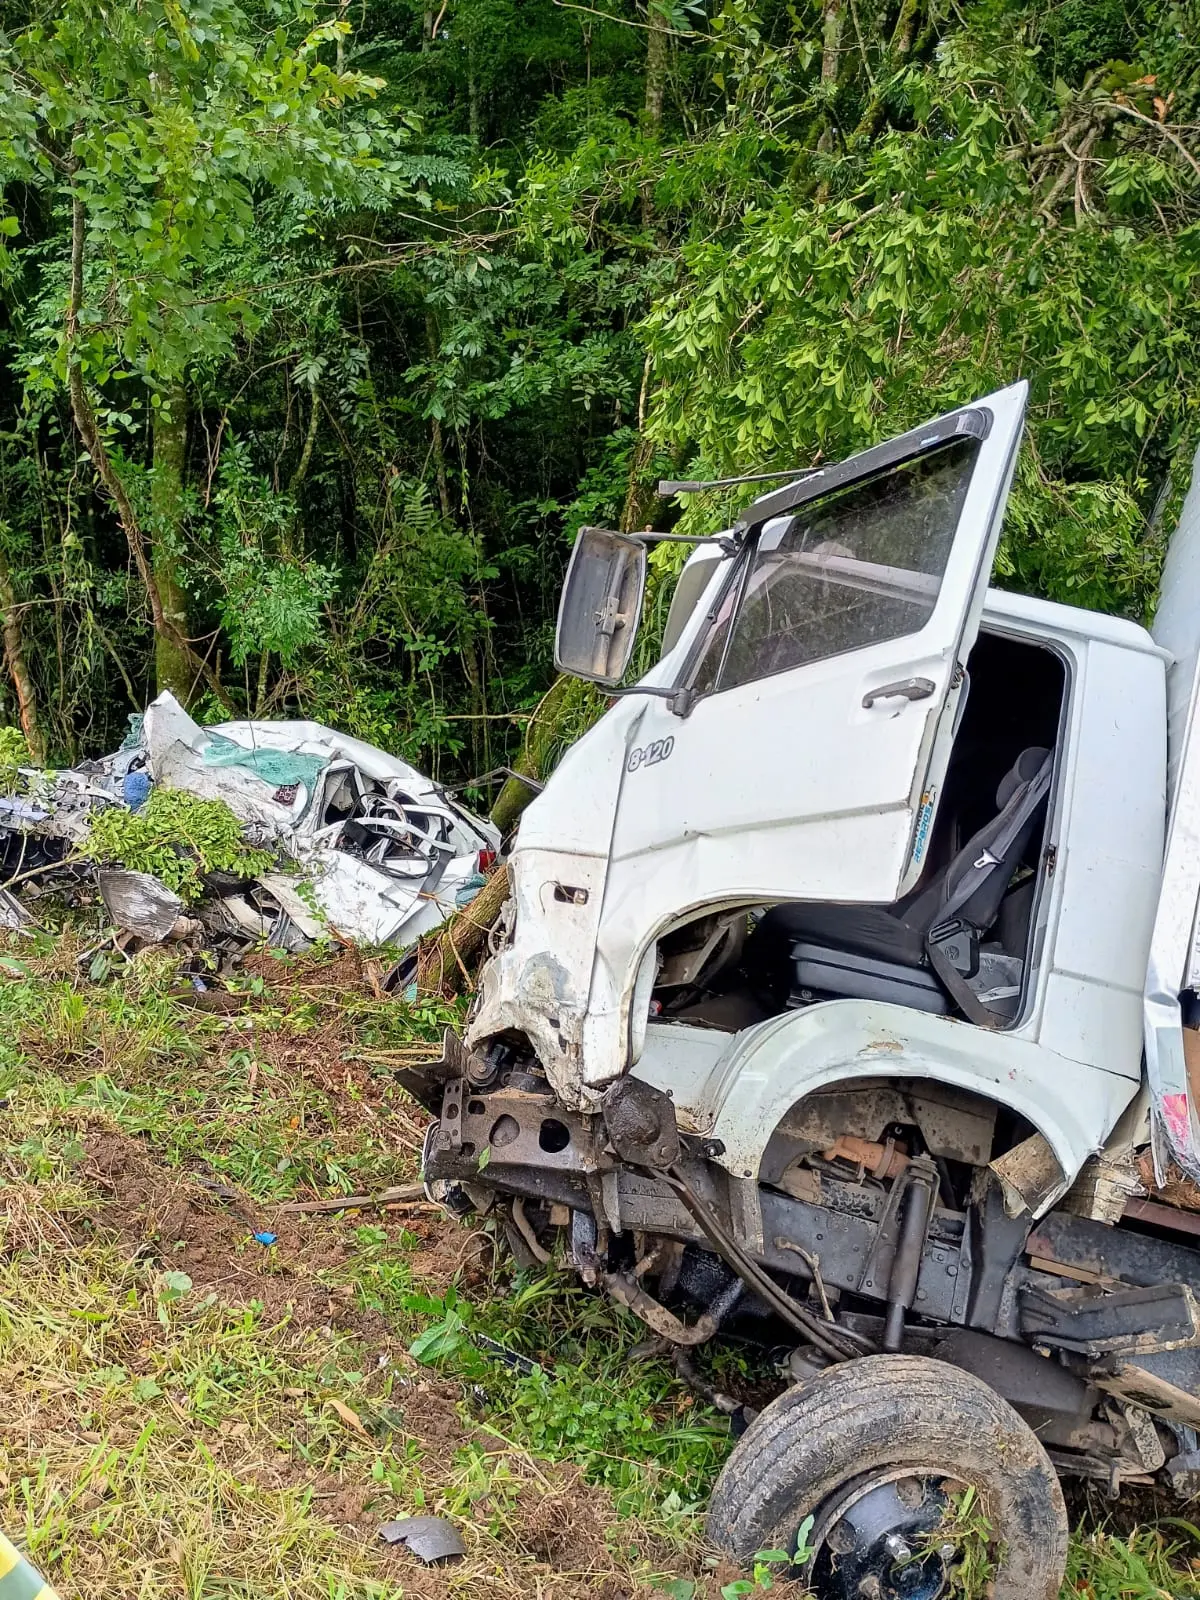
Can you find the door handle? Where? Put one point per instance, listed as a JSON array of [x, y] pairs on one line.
[[906, 689]]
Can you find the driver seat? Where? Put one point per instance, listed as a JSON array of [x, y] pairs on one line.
[[921, 950]]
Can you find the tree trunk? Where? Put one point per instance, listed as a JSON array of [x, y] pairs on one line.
[[173, 668], [641, 495], [473, 118], [899, 47], [657, 60], [831, 40], [84, 417], [658, 42], [18, 667], [539, 742], [442, 965]]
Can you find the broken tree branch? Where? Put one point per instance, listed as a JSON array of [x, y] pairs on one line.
[[404, 1194]]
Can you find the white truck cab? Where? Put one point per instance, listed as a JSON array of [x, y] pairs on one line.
[[843, 986]]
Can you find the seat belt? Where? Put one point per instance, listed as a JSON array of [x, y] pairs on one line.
[[991, 856]]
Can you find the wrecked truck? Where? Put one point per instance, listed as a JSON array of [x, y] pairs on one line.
[[848, 991]]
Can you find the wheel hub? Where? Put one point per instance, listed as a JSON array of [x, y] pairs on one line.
[[876, 1540]]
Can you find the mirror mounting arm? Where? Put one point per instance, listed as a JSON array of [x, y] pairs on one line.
[[681, 700], [727, 543]]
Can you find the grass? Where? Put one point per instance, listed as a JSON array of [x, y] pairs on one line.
[[193, 1413]]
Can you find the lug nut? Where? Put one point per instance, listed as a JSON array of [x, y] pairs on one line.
[[897, 1548]]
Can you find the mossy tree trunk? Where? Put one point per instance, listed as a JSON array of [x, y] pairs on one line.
[[173, 668]]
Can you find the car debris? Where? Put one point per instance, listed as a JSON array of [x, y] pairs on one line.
[[140, 903], [431, 1539], [371, 851]]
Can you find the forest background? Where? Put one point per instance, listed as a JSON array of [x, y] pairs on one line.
[[324, 326]]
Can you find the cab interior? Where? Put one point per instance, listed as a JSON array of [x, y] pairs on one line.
[[963, 941]]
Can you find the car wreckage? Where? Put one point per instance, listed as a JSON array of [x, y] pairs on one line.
[[821, 1004], [373, 852]]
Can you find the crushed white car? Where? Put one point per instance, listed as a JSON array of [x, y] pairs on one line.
[[386, 854]]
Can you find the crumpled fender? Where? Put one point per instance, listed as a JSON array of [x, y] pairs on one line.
[[748, 1089], [539, 984]]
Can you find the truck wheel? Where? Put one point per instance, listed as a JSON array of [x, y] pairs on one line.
[[877, 1452]]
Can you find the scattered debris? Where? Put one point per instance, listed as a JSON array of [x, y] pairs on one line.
[[139, 903], [265, 1238], [366, 849], [430, 1539], [511, 1359]]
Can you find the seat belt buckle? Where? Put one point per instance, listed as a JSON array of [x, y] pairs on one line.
[[959, 944]]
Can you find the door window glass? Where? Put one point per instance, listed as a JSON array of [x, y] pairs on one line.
[[861, 565]]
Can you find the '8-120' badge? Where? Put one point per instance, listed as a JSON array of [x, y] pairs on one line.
[[648, 755]]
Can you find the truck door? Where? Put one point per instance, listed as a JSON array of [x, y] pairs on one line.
[[1173, 975], [824, 681]]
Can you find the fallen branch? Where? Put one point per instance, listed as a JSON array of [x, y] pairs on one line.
[[405, 1194]]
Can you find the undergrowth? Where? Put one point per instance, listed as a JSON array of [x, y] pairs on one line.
[[211, 1399], [176, 836]]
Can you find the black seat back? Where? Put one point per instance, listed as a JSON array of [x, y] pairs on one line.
[[974, 883]]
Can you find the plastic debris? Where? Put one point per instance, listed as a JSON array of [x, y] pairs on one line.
[[139, 903], [430, 1539], [265, 1238]]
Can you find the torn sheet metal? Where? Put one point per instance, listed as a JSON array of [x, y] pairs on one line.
[[141, 904], [388, 854]]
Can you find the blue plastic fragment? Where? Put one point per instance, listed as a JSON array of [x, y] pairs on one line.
[[135, 788], [266, 1238]]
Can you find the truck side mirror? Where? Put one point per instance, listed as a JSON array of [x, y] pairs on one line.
[[601, 606]]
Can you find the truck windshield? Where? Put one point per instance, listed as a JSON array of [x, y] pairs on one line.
[[860, 565]]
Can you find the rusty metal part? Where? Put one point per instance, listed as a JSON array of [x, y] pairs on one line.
[[954, 1123], [813, 1263], [1112, 1253], [525, 1229], [1163, 1216], [655, 1315], [920, 1191], [641, 1124], [886, 1160]]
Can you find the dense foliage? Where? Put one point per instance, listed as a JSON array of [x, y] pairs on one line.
[[324, 326]]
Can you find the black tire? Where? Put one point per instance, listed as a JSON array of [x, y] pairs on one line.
[[885, 1412]]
